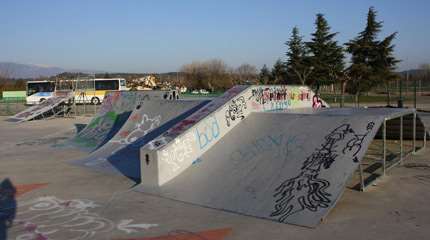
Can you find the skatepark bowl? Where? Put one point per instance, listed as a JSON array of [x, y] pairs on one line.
[[272, 152]]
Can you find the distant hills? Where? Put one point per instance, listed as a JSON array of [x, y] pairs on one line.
[[26, 71], [20, 70]]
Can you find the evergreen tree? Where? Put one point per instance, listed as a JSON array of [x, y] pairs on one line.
[[364, 50], [265, 77], [279, 72], [297, 65], [385, 63], [326, 56]]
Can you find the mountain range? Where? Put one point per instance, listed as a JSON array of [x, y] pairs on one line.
[[20, 70]]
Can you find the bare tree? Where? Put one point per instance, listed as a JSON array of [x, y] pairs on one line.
[[212, 74], [246, 74], [5, 77]]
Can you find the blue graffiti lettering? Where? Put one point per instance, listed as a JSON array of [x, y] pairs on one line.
[[208, 132]]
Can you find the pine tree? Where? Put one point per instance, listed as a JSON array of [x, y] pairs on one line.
[[265, 77], [279, 73], [297, 65], [385, 63], [326, 56], [364, 50]]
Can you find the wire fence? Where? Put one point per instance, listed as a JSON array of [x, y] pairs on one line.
[[404, 92], [12, 106]]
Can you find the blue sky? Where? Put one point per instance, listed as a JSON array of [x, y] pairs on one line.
[[162, 35]]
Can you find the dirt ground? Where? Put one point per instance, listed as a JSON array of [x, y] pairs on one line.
[[57, 200]]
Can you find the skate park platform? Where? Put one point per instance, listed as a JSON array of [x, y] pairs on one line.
[[237, 180]]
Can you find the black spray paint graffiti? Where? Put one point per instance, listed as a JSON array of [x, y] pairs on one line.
[[264, 95], [307, 191], [235, 110]]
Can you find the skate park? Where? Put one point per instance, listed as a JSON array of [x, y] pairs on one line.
[[275, 157], [214, 120]]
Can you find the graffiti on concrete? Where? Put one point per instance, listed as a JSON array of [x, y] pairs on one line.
[[180, 234], [205, 111], [308, 191], [157, 143], [54, 218], [354, 144], [235, 110], [96, 130], [108, 102], [49, 105], [207, 131], [277, 98], [179, 151], [144, 124], [127, 226], [195, 118], [264, 95], [114, 104]]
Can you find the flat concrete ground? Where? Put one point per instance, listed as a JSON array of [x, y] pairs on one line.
[[78, 203]]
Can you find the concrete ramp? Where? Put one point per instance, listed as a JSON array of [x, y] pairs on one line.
[[176, 150], [147, 121], [49, 107], [283, 167], [290, 168], [114, 112]]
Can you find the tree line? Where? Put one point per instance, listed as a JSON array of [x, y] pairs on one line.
[[215, 74], [321, 61]]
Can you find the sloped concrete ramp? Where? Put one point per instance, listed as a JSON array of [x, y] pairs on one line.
[[49, 107], [146, 122], [289, 168], [184, 143], [114, 112]]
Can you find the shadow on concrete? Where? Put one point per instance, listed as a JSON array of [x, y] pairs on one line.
[[79, 127], [7, 206]]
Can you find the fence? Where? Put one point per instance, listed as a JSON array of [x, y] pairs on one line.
[[411, 93], [11, 106]]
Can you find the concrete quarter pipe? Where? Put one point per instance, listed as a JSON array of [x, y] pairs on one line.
[[114, 112]]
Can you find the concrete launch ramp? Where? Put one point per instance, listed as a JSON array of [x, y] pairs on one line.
[[290, 168], [114, 112], [49, 107], [147, 121]]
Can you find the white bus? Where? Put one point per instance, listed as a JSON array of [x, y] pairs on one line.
[[96, 93], [39, 91], [86, 91]]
